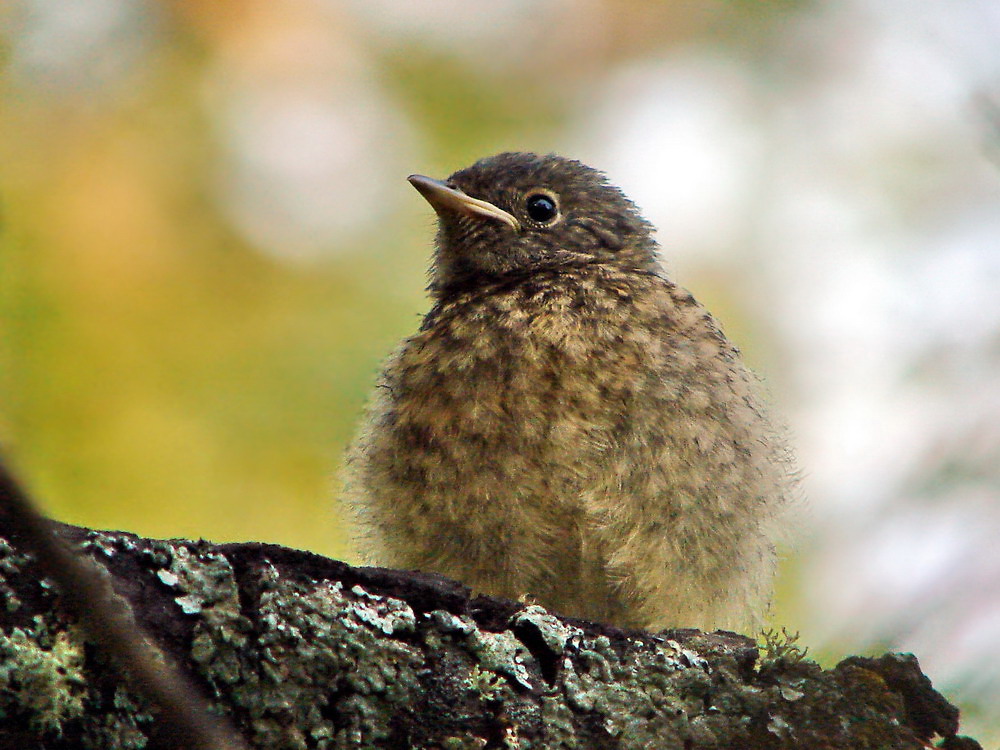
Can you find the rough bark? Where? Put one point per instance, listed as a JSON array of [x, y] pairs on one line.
[[306, 652]]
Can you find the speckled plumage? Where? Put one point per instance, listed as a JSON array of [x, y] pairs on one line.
[[568, 424]]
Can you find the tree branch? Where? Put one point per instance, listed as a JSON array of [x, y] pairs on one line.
[[301, 651]]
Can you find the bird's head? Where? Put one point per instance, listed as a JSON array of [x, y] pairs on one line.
[[516, 213]]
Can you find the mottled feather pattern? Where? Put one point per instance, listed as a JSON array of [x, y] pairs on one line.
[[579, 432]]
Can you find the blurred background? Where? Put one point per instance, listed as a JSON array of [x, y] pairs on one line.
[[207, 245]]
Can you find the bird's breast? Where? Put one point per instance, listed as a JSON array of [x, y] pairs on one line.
[[538, 377]]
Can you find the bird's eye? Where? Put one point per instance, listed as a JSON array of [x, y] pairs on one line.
[[541, 208]]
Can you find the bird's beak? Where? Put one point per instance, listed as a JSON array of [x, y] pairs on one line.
[[445, 198]]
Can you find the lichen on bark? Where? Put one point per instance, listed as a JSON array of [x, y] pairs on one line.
[[305, 652]]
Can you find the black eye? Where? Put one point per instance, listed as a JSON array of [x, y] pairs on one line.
[[541, 208]]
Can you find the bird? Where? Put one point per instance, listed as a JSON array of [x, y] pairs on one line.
[[569, 427]]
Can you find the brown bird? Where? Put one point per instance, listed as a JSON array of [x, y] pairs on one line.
[[568, 425]]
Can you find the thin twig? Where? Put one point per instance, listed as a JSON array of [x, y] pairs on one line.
[[110, 624]]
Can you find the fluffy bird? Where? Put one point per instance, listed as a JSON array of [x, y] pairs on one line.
[[568, 425]]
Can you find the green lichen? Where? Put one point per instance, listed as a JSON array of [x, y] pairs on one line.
[[502, 653], [124, 729], [554, 633], [486, 684], [637, 700], [42, 676], [312, 639], [11, 562], [391, 616], [463, 743], [206, 588], [780, 647]]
